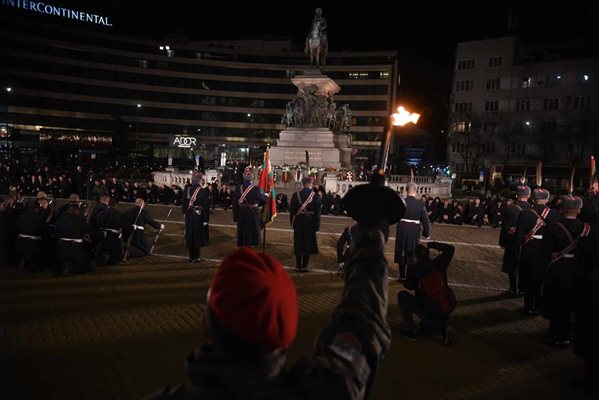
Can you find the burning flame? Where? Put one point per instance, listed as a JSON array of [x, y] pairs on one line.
[[403, 116]]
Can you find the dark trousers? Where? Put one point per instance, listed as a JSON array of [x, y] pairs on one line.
[[301, 260], [559, 330], [532, 294], [194, 252], [513, 279], [410, 306]]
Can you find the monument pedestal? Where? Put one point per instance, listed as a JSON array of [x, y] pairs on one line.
[[325, 149]]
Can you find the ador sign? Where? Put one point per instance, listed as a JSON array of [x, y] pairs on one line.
[[184, 142]]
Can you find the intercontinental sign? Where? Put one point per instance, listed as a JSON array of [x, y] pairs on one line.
[[45, 8]]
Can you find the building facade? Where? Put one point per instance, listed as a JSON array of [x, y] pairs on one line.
[[512, 105], [96, 92]]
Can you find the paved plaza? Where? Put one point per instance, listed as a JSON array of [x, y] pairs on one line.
[[123, 331]]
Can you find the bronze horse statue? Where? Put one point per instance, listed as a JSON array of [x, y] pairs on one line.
[[317, 45]]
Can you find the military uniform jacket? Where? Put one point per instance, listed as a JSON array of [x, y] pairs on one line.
[[72, 227], [528, 223], [306, 222], [110, 223], [560, 274], [139, 244], [508, 237], [408, 230], [32, 224], [347, 353], [196, 214], [247, 214]]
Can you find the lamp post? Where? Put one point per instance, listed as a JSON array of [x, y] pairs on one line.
[[7, 90], [137, 128], [375, 200]]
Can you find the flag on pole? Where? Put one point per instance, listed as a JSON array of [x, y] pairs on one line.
[[267, 185]]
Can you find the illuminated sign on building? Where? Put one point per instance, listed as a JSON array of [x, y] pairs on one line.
[[45, 8], [184, 142]]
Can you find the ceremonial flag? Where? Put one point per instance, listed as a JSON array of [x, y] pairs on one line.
[[267, 186]]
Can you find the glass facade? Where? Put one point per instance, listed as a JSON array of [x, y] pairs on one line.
[[73, 79]]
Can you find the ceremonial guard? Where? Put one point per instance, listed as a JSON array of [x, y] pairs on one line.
[[110, 222], [557, 260], [530, 227], [196, 207], [71, 253], [508, 238], [247, 200], [408, 229], [304, 214], [135, 220], [32, 237]]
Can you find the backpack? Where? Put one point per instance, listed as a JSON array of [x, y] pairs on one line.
[[439, 297]]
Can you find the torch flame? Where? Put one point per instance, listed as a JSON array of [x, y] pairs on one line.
[[403, 116]]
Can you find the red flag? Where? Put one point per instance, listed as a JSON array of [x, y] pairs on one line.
[[267, 185]]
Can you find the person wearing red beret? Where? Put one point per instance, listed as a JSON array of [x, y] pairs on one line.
[[252, 318]]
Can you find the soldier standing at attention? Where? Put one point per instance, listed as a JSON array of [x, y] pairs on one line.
[[557, 260], [508, 238], [196, 206], [530, 227], [304, 214], [247, 200], [408, 229]]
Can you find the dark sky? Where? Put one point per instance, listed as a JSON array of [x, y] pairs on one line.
[[423, 32]]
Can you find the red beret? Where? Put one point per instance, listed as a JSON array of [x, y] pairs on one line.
[[254, 299]]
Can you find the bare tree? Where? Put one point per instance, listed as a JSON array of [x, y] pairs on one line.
[[470, 141]]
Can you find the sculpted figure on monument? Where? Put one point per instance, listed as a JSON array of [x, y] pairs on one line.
[[317, 44]]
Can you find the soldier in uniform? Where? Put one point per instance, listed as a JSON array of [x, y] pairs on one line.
[[408, 229], [304, 214], [586, 329], [247, 355], [70, 230], [110, 223], [556, 259], [32, 237], [529, 228], [247, 200], [136, 219], [508, 238], [196, 204]]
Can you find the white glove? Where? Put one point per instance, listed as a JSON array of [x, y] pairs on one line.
[[162, 227], [341, 265], [205, 223]]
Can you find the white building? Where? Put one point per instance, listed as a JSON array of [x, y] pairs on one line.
[[512, 105]]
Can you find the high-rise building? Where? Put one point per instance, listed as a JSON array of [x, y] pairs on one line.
[[512, 105]]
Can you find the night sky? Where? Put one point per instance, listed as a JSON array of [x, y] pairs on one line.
[[424, 33]]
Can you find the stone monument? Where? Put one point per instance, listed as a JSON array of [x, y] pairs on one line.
[[314, 123]]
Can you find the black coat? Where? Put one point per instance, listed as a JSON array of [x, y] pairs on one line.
[[408, 233], [344, 243], [559, 276], [247, 215], [196, 214], [508, 238], [110, 222], [305, 224], [76, 255], [36, 250], [139, 244]]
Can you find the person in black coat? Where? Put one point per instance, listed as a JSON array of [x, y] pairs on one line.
[[196, 208], [247, 200], [109, 221], [419, 303], [304, 215], [33, 237], [508, 237], [136, 219], [408, 229], [71, 253], [529, 228], [344, 246], [557, 261], [282, 204], [476, 213]]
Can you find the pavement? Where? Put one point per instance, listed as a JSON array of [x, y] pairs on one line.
[[123, 331]]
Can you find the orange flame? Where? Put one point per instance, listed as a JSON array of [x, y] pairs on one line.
[[403, 116]]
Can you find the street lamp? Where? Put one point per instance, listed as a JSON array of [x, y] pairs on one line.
[[375, 200], [8, 91], [137, 128]]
